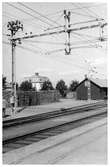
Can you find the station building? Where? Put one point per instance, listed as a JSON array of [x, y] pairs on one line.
[[91, 89]]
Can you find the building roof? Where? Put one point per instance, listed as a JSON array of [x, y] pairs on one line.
[[100, 82], [36, 78]]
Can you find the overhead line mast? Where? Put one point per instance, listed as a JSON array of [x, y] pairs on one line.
[[14, 27]]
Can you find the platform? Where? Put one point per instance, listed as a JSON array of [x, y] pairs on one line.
[[39, 109]]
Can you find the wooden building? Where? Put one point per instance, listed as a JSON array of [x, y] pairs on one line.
[[91, 89]]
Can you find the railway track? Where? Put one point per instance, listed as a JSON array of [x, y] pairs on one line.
[[57, 113], [80, 117], [22, 141]]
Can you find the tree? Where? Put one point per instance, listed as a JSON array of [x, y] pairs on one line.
[[26, 86], [61, 86], [47, 85], [3, 82], [73, 85]]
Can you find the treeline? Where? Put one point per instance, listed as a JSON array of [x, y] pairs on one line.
[[47, 85]]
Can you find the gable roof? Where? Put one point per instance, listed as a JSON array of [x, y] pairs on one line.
[[100, 82]]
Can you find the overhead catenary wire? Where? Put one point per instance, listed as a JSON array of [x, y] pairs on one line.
[[76, 47], [73, 43], [81, 14], [92, 12], [46, 42], [59, 17], [53, 21], [39, 13], [77, 8], [51, 28], [87, 11], [26, 23], [29, 14], [11, 16], [35, 51], [61, 43], [54, 13], [91, 6], [66, 62], [83, 37]]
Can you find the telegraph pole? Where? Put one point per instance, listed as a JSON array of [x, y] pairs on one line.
[[67, 31], [91, 69], [89, 89], [14, 27]]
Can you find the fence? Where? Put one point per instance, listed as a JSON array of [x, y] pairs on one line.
[[28, 98]]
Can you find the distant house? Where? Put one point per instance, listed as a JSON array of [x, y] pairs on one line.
[[91, 88], [37, 80]]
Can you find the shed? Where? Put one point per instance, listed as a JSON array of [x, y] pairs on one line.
[[91, 88]]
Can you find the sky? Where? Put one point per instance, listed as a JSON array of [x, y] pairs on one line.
[[38, 54]]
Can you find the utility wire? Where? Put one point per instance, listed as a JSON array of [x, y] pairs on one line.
[[7, 14], [62, 60], [46, 42], [59, 18], [81, 14], [13, 17], [38, 13], [73, 9], [55, 13], [61, 43], [83, 37], [77, 47], [28, 14], [77, 8], [86, 10], [56, 21], [35, 51], [96, 15]]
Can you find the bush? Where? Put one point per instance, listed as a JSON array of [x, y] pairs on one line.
[[26, 86], [47, 85]]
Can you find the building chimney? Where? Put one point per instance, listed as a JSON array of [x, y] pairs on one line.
[[85, 76], [36, 73]]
